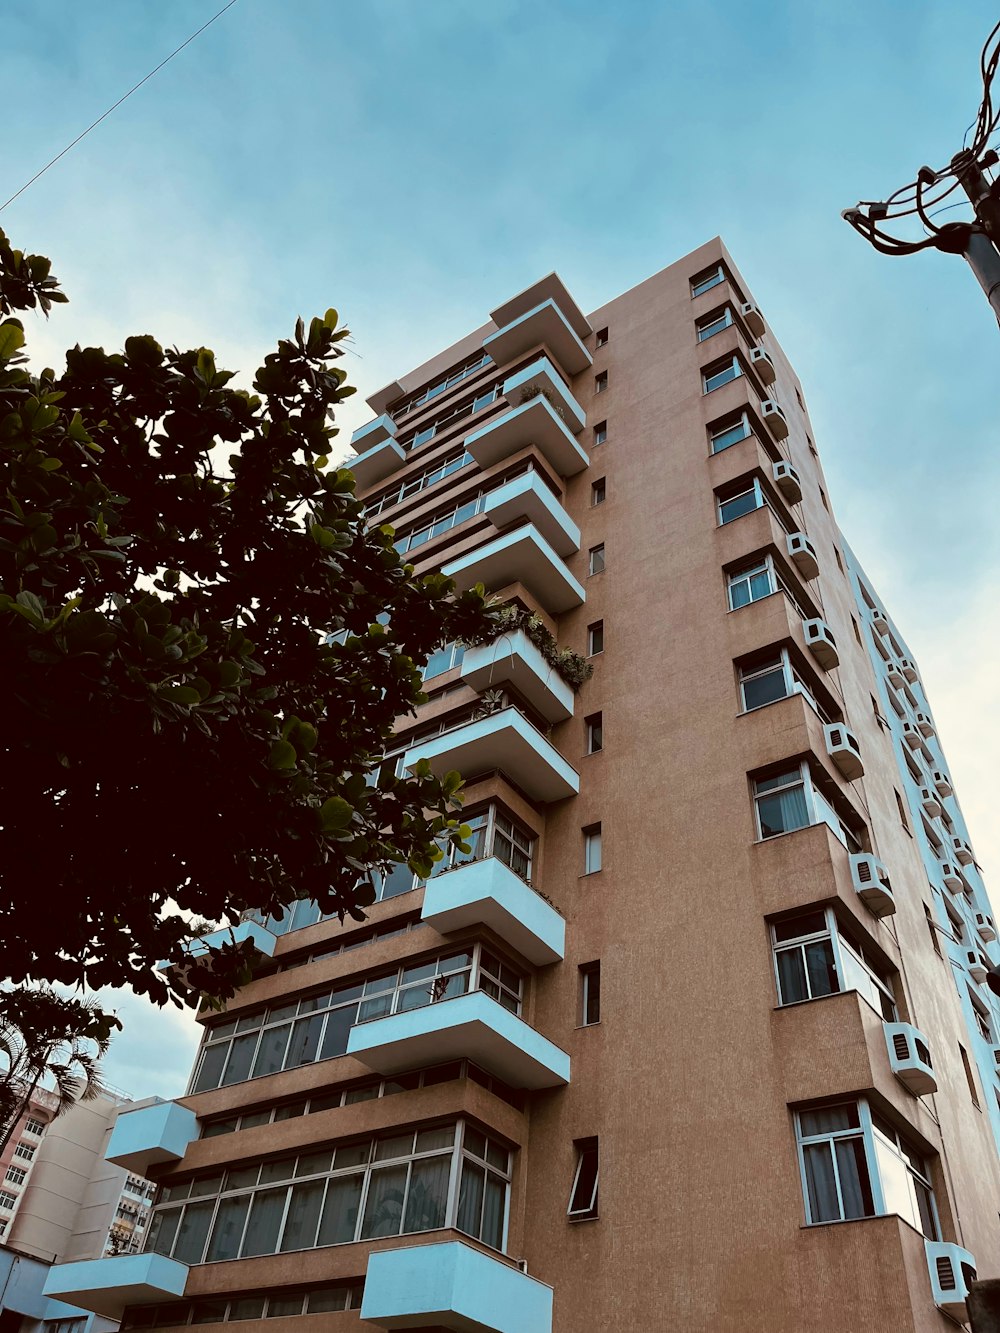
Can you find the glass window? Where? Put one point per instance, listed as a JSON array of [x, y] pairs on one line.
[[595, 638], [816, 955], [744, 502], [781, 803], [718, 375], [601, 382], [34, 1126], [592, 855], [600, 432], [595, 732], [704, 282], [590, 994], [709, 325], [763, 683], [598, 492], [597, 564], [583, 1196], [731, 432], [750, 584], [601, 338]]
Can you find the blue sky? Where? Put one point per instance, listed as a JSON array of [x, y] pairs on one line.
[[414, 164]]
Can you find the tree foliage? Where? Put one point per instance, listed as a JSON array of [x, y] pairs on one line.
[[181, 732]]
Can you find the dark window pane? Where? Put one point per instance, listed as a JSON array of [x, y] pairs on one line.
[[764, 689], [304, 1045], [240, 1059], [340, 1212], [193, 1232], [162, 1231], [470, 1198], [822, 969], [791, 976], [303, 1216], [270, 1056], [212, 1064], [384, 1205], [821, 1184], [855, 1187], [265, 1219], [427, 1197], [249, 1307], [737, 506], [338, 1028], [493, 1212], [228, 1228]]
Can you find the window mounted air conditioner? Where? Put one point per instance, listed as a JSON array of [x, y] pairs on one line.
[[924, 724], [880, 620], [909, 670], [996, 1058], [752, 318], [912, 736], [871, 880], [943, 783], [774, 418], [802, 554], [975, 966], [895, 674], [762, 364], [842, 747], [953, 880], [984, 925], [787, 481], [821, 643], [910, 1058], [963, 852], [952, 1272], [930, 803]]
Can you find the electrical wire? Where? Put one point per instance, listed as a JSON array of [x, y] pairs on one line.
[[117, 104]]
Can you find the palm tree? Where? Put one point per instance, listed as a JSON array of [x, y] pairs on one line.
[[45, 1037]]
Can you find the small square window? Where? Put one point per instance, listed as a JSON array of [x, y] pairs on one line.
[[601, 382], [602, 337], [590, 994], [595, 638], [597, 559], [592, 854], [595, 733], [598, 492], [583, 1196], [600, 432]]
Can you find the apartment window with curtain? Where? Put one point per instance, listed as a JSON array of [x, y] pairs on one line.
[[791, 800], [815, 955], [855, 1164], [775, 677]]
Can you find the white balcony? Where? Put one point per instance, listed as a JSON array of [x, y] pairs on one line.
[[952, 1271], [802, 554], [504, 741], [871, 880], [520, 556], [150, 1135], [821, 643], [378, 453], [488, 893], [842, 747], [453, 1286], [471, 1026], [545, 325], [106, 1286], [528, 499], [534, 422], [513, 659], [910, 1058], [542, 376]]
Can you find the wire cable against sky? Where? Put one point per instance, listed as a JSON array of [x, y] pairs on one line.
[[117, 104]]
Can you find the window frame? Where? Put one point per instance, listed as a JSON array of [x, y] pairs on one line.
[[600, 434], [598, 492], [707, 279], [593, 840], [716, 322], [590, 1211], [594, 724], [731, 367], [590, 994], [743, 420], [843, 948], [818, 808], [595, 636], [596, 560]]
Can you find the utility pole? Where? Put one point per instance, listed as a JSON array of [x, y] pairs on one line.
[[978, 240]]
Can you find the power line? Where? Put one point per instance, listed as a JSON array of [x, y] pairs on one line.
[[117, 104]]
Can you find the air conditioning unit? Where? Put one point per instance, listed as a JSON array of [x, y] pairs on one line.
[[912, 736], [930, 803], [975, 966], [821, 643], [774, 419], [924, 725], [842, 747], [963, 852], [802, 554], [787, 481], [871, 880], [880, 620], [984, 925], [942, 783], [752, 318], [895, 674], [953, 880], [909, 670], [762, 363], [910, 1058], [996, 1058], [952, 1272]]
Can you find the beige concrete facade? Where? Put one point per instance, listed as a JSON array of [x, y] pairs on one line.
[[692, 1079]]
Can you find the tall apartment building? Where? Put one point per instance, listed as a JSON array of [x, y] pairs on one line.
[[695, 1037]]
